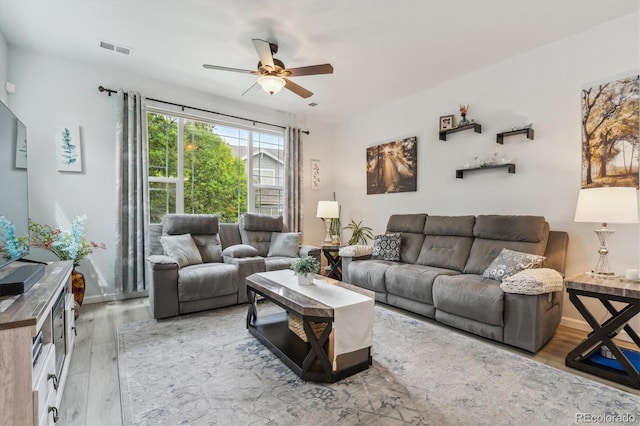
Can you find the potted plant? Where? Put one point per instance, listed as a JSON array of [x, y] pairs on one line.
[[304, 268], [360, 234]]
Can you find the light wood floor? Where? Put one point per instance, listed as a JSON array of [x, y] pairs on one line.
[[92, 393]]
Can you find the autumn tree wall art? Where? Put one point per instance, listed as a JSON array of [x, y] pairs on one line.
[[392, 167], [611, 133]]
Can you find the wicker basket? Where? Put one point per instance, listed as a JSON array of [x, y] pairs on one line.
[[295, 325]]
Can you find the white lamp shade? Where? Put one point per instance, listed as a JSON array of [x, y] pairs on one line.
[[271, 84], [607, 205], [328, 209]]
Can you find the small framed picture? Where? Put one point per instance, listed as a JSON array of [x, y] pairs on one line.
[[446, 122]]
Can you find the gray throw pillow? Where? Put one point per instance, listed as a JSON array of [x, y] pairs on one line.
[[181, 248], [387, 247], [510, 262], [240, 250], [284, 244]]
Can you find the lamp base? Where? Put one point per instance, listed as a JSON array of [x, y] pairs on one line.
[[602, 267], [327, 237]]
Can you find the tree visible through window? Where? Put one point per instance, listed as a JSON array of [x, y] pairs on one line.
[[203, 167]]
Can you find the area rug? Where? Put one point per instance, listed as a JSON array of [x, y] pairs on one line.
[[207, 369]]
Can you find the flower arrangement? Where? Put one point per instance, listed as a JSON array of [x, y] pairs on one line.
[[305, 265], [64, 243], [11, 245]]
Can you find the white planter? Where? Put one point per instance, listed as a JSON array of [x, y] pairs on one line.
[[306, 279]]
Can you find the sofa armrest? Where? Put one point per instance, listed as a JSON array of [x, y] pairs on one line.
[[246, 266], [163, 286], [346, 261], [312, 251]]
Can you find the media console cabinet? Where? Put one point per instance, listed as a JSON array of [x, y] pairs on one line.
[[37, 330]]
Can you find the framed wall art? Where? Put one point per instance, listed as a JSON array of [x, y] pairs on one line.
[[610, 133], [68, 150], [392, 167], [315, 174], [446, 122]]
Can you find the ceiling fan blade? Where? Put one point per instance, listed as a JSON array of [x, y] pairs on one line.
[[311, 70], [264, 52], [297, 89], [250, 88], [217, 67]]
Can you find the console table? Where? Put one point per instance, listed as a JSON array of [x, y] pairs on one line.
[[586, 356], [36, 345], [331, 253]]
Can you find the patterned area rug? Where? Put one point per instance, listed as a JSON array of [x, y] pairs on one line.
[[207, 369]]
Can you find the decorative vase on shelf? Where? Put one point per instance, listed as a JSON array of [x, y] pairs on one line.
[[78, 287], [464, 121], [305, 279]]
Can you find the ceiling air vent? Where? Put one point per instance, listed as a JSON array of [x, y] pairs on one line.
[[312, 104], [115, 48]]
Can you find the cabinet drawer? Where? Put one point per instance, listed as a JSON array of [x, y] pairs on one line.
[[69, 322], [43, 389]]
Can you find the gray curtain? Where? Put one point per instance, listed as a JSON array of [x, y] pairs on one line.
[[132, 238], [293, 182]]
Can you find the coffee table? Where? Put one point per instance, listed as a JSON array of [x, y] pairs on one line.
[[324, 357]]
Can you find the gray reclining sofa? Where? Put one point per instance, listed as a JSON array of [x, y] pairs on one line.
[[439, 274], [211, 273]]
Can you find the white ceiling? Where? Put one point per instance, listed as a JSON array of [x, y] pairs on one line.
[[381, 50]]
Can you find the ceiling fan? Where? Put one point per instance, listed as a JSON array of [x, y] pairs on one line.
[[273, 74]]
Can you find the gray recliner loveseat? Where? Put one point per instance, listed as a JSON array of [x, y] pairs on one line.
[[197, 263], [439, 274]]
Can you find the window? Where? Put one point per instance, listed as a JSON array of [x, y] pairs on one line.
[[198, 166]]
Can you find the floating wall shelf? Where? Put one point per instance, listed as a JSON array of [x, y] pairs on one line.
[[511, 168], [527, 131], [475, 126]]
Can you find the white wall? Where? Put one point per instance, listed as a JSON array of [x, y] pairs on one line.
[[4, 67], [542, 87], [53, 91]]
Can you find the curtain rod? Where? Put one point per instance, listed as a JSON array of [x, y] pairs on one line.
[[110, 91]]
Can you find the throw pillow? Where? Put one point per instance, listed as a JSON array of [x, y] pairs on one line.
[[284, 244], [510, 262], [533, 281], [240, 250], [387, 247], [181, 248]]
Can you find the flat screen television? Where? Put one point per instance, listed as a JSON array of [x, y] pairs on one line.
[[14, 204]]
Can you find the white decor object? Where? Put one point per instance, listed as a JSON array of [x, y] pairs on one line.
[[315, 174], [606, 205], [355, 250], [68, 149], [533, 281], [328, 210], [305, 279]]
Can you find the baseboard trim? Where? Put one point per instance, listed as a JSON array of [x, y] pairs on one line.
[[583, 326], [113, 297]]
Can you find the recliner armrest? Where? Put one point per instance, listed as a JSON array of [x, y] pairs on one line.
[[160, 262], [312, 251], [346, 261], [163, 286], [246, 266]]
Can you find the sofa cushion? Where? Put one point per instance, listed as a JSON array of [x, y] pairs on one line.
[[413, 282], [209, 247], [173, 224], [469, 296], [386, 247], [486, 246], [181, 248], [410, 226], [445, 251], [240, 250], [278, 263], [207, 280], [256, 229], [369, 274], [510, 262], [284, 244], [458, 226]]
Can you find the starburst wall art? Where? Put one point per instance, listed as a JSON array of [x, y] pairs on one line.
[[68, 150]]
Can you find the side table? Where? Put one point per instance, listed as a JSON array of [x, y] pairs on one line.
[[331, 253], [586, 356]]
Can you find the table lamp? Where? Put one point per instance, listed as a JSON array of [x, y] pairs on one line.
[[328, 210], [606, 205]]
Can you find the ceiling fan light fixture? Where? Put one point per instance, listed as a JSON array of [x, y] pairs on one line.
[[271, 83]]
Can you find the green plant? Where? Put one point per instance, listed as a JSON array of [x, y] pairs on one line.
[[360, 234], [306, 265], [334, 228]]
